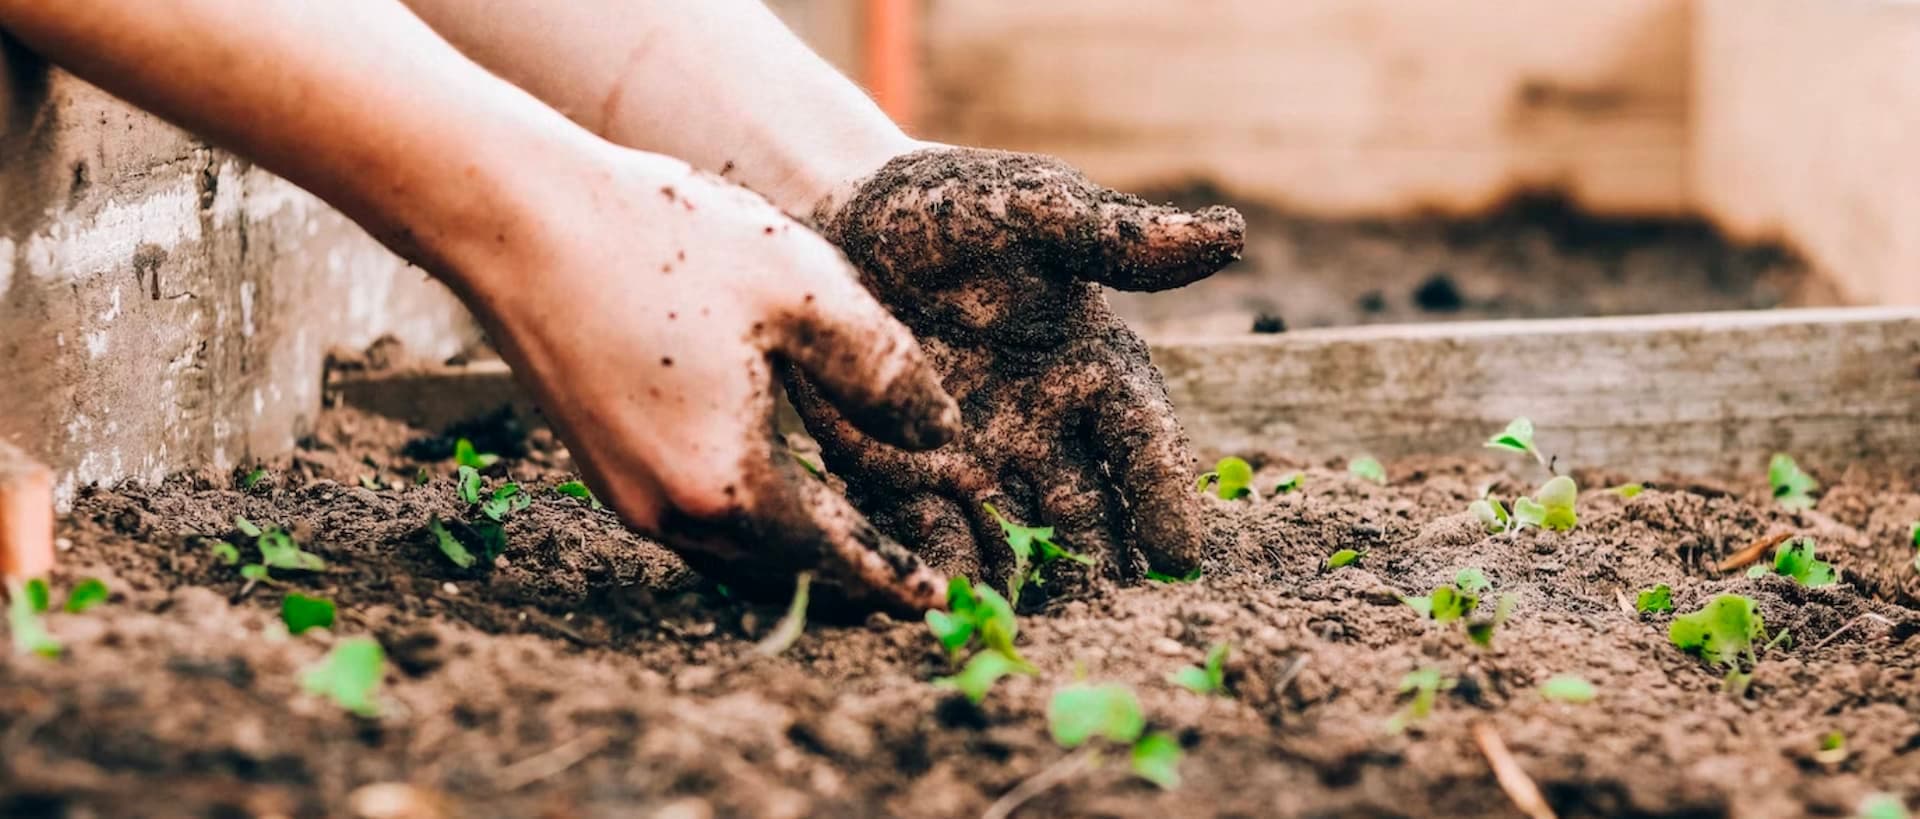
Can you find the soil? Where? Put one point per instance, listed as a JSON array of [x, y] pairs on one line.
[[1535, 256], [588, 674]]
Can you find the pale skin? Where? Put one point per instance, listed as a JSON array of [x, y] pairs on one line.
[[649, 305]]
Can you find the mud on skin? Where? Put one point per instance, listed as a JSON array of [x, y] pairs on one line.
[[995, 260], [588, 641]]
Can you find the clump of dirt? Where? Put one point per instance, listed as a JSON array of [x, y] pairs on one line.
[[586, 674], [1535, 256]]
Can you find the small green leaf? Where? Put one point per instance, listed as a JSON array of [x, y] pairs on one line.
[[1342, 558], [577, 489], [811, 468], [1471, 580], [1657, 599], [1517, 437], [301, 612], [1208, 679], [1290, 483], [39, 596], [1491, 514], [1162, 577], [1082, 711], [253, 479], [1628, 490], [245, 526], [1795, 559], [1791, 486], [952, 632], [1233, 479], [467, 483], [998, 627], [350, 675], [1368, 469], [1481, 631], [86, 594], [979, 675], [1425, 685], [278, 551], [1833, 748], [1557, 498], [1528, 512], [1883, 806], [30, 635], [450, 546], [1423, 605], [465, 455], [225, 552], [1722, 632], [505, 500], [255, 572], [1156, 758], [1568, 688], [1450, 604]]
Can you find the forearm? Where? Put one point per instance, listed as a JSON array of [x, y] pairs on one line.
[[356, 101], [720, 83]]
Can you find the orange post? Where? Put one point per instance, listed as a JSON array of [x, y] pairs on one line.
[[887, 53], [26, 515]]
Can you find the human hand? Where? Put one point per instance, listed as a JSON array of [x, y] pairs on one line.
[[645, 304], [995, 260]]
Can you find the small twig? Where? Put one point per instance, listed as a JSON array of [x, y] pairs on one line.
[[1507, 771], [1287, 674], [1751, 552], [551, 761], [1047, 779], [1620, 596], [1885, 621]]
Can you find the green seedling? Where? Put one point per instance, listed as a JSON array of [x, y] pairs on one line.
[[980, 673], [277, 551], [1457, 600], [792, 625], [301, 612], [225, 552], [975, 611], [1343, 558], [1657, 599], [1883, 806], [85, 595], [1163, 577], [505, 500], [1568, 688], [466, 481], [1795, 559], [1033, 548], [1492, 515], [1425, 685], [1723, 633], [1792, 487], [1628, 490], [1517, 437], [450, 546], [350, 675], [1231, 479], [1481, 630], [1290, 483], [1833, 748], [465, 455], [1914, 536], [1552, 508], [1156, 758], [253, 479], [577, 489], [26, 603], [1368, 469], [1081, 713], [1471, 580], [1210, 678]]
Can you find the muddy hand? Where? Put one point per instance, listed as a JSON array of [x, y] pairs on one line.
[[655, 354], [995, 261]]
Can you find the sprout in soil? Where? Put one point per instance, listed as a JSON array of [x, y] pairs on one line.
[[465, 455], [979, 675], [1480, 630], [1791, 486], [1795, 559], [1163, 577], [1343, 558], [1452, 601], [1033, 548], [1290, 483], [1833, 748], [1368, 469], [1210, 678], [1657, 599], [1723, 633], [350, 675], [1425, 685], [1552, 508], [1517, 437], [301, 612], [1628, 490], [1568, 688], [1883, 806], [450, 546], [253, 479], [1492, 515], [26, 603], [792, 625], [1231, 479], [1082, 712], [975, 611], [577, 489], [277, 551]]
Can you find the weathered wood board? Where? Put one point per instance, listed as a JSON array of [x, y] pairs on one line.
[[1683, 394]]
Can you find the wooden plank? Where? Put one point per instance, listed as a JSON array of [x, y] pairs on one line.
[[1693, 394]]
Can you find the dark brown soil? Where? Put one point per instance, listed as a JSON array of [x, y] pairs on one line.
[[587, 675], [1537, 256]]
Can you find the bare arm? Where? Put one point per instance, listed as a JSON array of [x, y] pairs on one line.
[[720, 83]]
